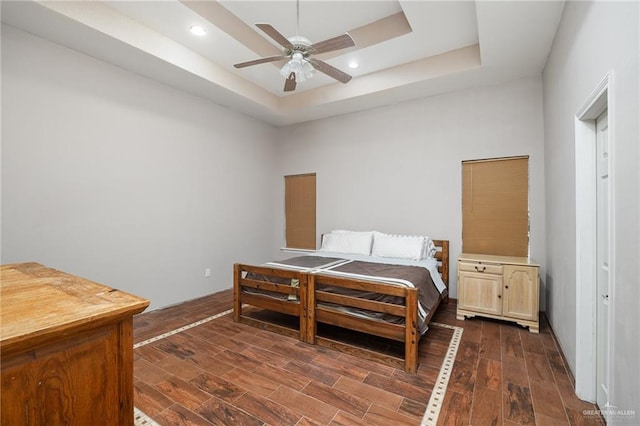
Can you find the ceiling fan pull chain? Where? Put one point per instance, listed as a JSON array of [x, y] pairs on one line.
[[297, 18]]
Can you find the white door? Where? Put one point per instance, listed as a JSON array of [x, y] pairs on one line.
[[603, 303]]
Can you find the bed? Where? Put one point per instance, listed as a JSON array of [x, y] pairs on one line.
[[358, 288]]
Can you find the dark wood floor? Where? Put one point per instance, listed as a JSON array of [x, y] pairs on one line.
[[225, 373]]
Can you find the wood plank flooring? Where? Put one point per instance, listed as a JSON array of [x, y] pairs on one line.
[[232, 374]]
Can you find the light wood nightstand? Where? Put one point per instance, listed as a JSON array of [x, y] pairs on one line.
[[501, 287]]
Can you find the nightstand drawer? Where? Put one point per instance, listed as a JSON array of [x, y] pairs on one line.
[[480, 267]]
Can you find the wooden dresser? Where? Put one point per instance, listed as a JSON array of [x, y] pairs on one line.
[[501, 287], [66, 349]]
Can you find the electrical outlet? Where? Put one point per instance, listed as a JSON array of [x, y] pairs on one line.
[[207, 272]]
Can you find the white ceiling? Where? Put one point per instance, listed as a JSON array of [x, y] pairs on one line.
[[405, 49]]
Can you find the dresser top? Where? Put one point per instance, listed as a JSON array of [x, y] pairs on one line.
[[489, 258], [40, 303]]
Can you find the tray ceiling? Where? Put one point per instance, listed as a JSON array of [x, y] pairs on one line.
[[404, 49]]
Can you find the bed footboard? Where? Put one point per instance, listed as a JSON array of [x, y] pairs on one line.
[[272, 289], [324, 307]]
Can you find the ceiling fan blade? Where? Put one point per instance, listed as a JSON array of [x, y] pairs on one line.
[[331, 71], [274, 34], [336, 43], [290, 83], [259, 61]]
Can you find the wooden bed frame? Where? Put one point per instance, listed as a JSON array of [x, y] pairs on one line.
[[302, 302]]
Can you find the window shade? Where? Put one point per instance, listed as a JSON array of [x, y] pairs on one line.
[[300, 211], [495, 206]]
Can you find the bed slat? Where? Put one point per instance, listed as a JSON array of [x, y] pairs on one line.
[[271, 272], [283, 306], [331, 316], [264, 285], [356, 302], [375, 287]]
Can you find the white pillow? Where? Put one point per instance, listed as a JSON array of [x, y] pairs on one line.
[[348, 242], [398, 246], [429, 251]]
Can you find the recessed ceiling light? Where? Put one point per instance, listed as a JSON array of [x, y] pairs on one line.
[[198, 30], [353, 65]]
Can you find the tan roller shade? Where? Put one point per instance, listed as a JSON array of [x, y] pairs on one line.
[[300, 211], [495, 206]]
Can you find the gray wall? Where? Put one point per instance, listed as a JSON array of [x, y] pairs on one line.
[[125, 181], [398, 168], [594, 39]]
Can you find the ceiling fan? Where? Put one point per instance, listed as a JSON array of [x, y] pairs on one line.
[[299, 51]]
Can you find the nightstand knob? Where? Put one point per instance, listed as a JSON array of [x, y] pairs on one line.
[[506, 286], [499, 296]]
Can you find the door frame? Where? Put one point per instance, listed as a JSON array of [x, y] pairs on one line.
[[600, 99]]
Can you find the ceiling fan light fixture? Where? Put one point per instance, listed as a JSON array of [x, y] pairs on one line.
[[298, 65]]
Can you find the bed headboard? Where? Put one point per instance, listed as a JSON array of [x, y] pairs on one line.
[[442, 256]]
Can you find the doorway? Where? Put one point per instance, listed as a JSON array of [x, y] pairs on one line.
[[602, 262], [594, 246]]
